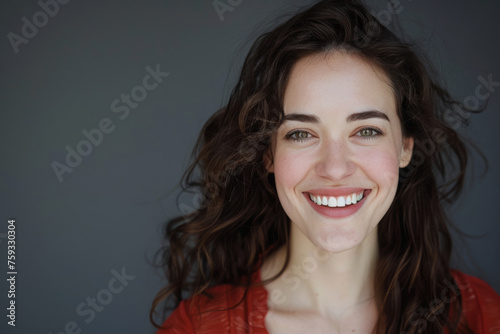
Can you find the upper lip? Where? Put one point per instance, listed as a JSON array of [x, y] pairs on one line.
[[334, 192]]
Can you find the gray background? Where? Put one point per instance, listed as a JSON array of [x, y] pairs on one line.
[[107, 214]]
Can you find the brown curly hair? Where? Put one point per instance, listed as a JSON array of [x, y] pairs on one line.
[[240, 216]]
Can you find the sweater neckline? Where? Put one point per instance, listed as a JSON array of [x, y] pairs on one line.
[[258, 304]]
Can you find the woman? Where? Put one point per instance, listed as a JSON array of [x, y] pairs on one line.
[[319, 213]]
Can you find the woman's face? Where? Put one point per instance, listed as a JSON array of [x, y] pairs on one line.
[[336, 156]]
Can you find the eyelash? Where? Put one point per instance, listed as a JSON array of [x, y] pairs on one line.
[[290, 135], [376, 133]]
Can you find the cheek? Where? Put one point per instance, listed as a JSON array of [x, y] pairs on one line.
[[289, 168], [382, 166]]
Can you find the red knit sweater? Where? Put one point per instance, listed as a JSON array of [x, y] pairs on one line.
[[480, 303]]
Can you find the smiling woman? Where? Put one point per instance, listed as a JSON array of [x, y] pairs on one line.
[[351, 146], [311, 219]]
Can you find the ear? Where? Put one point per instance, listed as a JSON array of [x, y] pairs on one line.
[[269, 160], [406, 152]]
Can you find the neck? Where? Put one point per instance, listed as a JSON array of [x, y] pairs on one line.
[[328, 283]]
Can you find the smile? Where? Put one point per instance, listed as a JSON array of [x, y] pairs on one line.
[[338, 201]]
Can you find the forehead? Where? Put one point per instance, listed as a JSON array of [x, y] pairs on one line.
[[337, 81]]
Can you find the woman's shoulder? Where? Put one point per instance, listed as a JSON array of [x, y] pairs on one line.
[[480, 303], [223, 309], [202, 313]]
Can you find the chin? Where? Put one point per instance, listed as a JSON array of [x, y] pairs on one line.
[[337, 242]]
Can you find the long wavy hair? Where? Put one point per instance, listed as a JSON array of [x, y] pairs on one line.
[[239, 216]]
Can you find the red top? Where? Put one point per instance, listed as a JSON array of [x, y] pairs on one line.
[[480, 304]]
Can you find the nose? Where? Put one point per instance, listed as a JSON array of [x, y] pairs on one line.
[[335, 160]]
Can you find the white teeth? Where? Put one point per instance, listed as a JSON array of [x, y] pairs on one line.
[[339, 201]]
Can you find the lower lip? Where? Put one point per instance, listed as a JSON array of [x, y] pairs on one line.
[[338, 212]]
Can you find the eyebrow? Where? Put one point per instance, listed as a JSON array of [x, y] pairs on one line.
[[308, 118], [359, 116]]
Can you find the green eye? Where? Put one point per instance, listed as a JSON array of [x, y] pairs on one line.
[[369, 132], [366, 132], [298, 135]]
